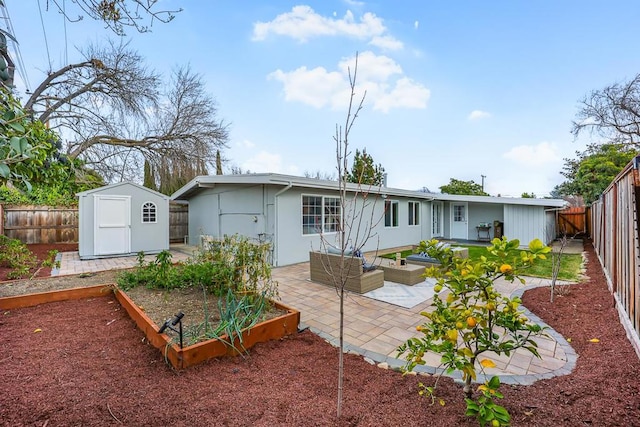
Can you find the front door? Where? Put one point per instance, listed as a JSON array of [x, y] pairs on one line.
[[459, 221], [112, 234]]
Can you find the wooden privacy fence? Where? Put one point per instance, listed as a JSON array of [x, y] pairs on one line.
[[39, 224], [178, 222], [574, 221], [46, 224], [614, 225]]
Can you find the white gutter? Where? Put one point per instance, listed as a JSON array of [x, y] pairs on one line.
[[275, 222]]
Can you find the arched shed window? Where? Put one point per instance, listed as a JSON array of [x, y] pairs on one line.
[[149, 212]]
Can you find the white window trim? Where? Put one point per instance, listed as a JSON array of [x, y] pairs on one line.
[[397, 222], [415, 207], [155, 212], [322, 217]]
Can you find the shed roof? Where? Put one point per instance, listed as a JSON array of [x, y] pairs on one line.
[[200, 183], [122, 184]]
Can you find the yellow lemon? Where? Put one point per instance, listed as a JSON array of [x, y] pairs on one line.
[[505, 268]]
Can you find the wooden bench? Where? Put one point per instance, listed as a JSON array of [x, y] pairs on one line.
[[323, 265]]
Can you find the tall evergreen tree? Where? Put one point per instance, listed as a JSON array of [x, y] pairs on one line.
[[364, 170], [218, 163], [149, 181]]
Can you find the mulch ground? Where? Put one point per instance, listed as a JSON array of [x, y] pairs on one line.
[[41, 251], [89, 365]]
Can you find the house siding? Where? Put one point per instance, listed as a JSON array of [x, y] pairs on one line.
[[524, 223], [479, 213], [268, 207], [292, 246]]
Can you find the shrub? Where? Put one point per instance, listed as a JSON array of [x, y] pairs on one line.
[[15, 255], [232, 263]]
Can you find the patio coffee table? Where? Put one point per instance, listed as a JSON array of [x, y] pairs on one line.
[[408, 274]]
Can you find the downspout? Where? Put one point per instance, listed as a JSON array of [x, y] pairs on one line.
[[275, 222]]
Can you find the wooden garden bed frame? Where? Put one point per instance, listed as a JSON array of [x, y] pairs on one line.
[[179, 358]]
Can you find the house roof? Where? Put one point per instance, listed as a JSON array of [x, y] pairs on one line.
[[200, 183], [121, 184]]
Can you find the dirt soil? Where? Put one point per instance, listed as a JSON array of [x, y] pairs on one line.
[[91, 366]]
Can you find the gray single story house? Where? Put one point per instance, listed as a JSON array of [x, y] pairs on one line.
[[293, 213], [122, 219]]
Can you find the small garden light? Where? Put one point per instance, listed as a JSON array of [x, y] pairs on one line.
[[170, 323]]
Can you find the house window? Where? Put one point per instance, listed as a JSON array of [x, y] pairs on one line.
[[436, 219], [414, 213], [320, 214], [149, 212], [391, 213]]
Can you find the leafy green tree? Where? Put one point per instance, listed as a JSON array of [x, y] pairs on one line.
[[526, 195], [457, 186], [30, 157], [364, 170], [591, 172]]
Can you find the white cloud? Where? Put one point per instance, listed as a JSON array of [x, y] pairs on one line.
[[371, 67], [405, 94], [354, 3], [265, 161], [478, 114], [387, 43], [416, 25], [303, 23], [543, 154], [379, 75], [313, 87]]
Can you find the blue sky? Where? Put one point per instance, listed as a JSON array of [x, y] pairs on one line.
[[454, 89]]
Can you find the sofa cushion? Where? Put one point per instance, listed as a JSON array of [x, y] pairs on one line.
[[422, 258]]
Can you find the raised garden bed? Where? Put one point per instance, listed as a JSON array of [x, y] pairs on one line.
[[179, 358]]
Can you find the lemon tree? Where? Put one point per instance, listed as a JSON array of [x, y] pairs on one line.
[[471, 318]]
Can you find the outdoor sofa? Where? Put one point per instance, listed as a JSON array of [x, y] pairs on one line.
[[323, 265]]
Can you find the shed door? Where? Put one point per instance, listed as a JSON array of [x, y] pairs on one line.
[[459, 221], [112, 225]]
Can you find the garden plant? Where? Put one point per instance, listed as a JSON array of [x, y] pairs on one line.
[[234, 269], [472, 318], [22, 262]]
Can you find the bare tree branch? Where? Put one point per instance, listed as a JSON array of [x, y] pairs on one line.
[[612, 113], [118, 14], [115, 113]]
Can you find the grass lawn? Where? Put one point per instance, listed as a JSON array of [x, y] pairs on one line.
[[569, 267]]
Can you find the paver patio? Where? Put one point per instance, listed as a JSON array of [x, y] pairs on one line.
[[373, 328]]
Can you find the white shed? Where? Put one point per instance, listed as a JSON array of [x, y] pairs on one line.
[[122, 219]]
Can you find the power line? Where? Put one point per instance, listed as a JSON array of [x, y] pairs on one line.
[[22, 70], [44, 31], [66, 43]]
